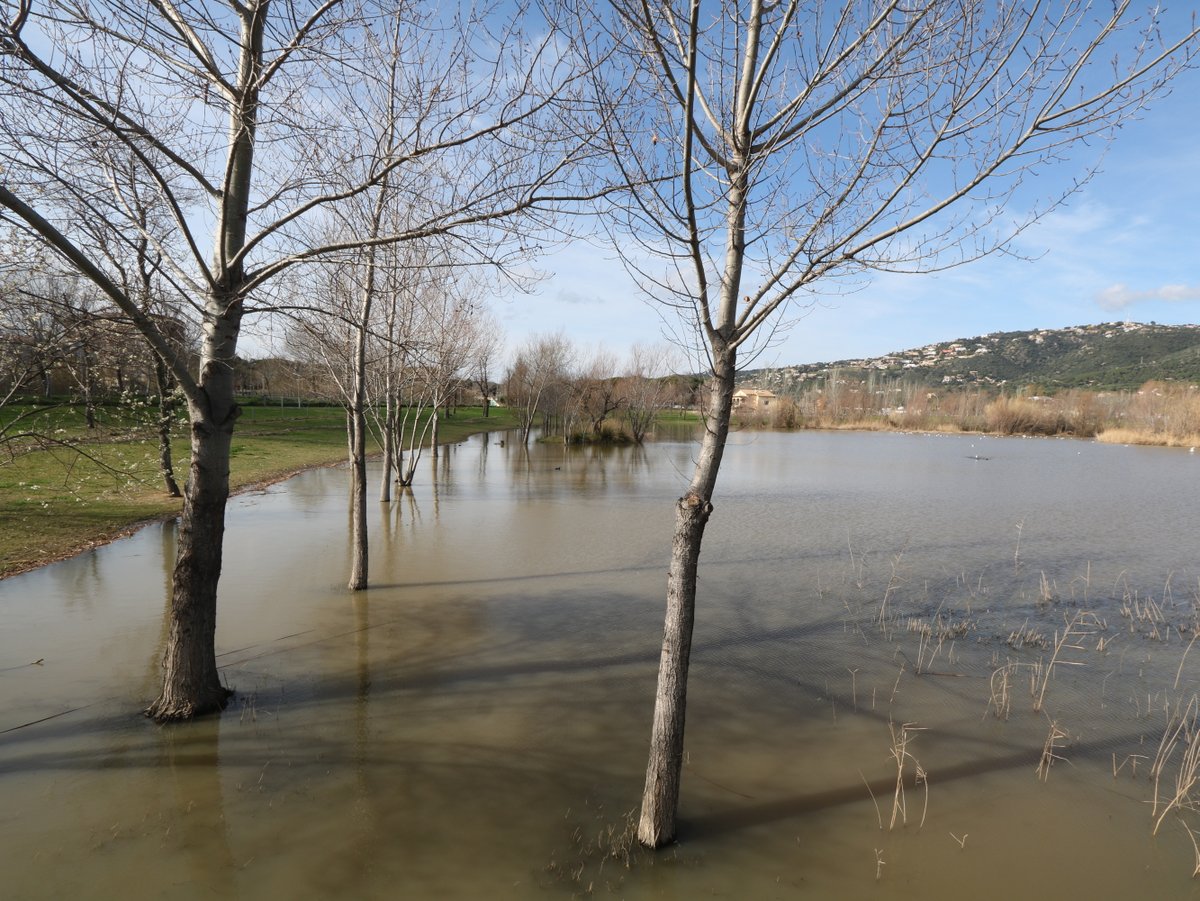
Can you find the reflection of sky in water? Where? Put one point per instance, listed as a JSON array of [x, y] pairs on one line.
[[447, 732]]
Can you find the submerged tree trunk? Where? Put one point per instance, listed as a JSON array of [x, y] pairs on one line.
[[358, 499], [191, 683], [389, 454], [356, 420], [660, 798]]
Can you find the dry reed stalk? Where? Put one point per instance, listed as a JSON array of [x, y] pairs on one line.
[[1027, 636], [900, 754], [893, 584], [1183, 659], [1131, 759], [857, 569], [1087, 584], [896, 686], [1001, 698], [1081, 625], [1195, 848], [878, 812], [922, 647], [1046, 593], [1183, 731], [1049, 749]]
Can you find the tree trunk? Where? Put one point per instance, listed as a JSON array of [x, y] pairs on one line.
[[660, 799], [166, 418], [358, 500], [357, 427], [191, 684], [389, 454]]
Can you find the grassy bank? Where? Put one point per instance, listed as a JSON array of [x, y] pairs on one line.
[[103, 482]]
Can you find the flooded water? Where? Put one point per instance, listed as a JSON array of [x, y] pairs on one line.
[[476, 724]]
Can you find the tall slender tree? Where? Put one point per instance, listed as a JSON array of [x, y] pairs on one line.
[[777, 146]]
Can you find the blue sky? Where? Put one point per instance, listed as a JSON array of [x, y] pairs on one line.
[[1126, 247]]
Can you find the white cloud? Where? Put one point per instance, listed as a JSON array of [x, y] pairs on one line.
[[576, 298], [1119, 296]]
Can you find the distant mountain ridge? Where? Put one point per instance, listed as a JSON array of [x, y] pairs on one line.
[[1109, 356]]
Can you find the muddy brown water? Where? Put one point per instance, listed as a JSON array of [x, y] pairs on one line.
[[475, 725]]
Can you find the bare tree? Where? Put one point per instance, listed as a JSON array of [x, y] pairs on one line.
[[778, 147], [539, 368], [647, 388], [597, 391], [234, 116], [489, 342]]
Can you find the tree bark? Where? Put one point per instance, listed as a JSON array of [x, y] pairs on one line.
[[389, 453], [358, 501], [191, 683], [660, 798], [166, 419]]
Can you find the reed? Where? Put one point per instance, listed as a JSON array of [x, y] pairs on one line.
[[1055, 739], [1026, 636], [874, 800], [892, 585], [1183, 659], [1047, 593], [1131, 759], [1081, 625], [1181, 731], [1001, 692], [1195, 848], [901, 755]]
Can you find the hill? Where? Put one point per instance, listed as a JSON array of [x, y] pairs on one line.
[[1110, 356]]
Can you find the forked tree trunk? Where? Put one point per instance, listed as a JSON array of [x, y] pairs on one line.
[[660, 798]]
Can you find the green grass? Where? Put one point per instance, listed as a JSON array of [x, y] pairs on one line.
[[671, 417], [56, 502]]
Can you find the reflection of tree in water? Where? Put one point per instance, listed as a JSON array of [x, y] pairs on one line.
[[362, 719], [482, 456], [596, 469], [168, 532], [403, 514], [193, 806], [190, 755], [306, 493], [78, 582]]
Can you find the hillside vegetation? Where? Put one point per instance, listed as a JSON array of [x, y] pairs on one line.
[[1105, 357]]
